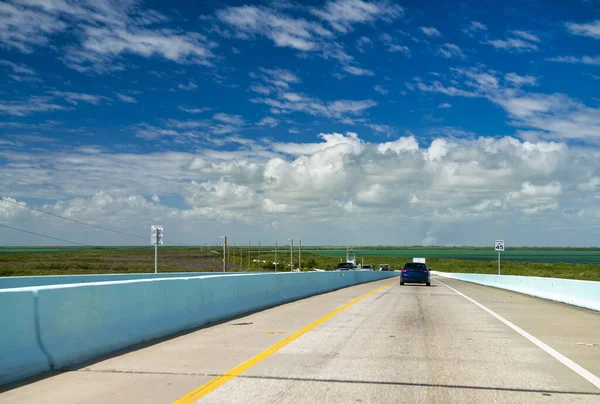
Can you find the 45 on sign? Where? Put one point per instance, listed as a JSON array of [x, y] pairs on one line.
[[499, 245]]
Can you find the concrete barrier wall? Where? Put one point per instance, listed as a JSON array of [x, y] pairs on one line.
[[11, 282], [49, 327], [20, 352], [578, 293]]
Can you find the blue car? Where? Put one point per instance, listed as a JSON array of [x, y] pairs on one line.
[[415, 272]]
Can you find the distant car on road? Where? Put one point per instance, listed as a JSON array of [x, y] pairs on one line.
[[366, 267], [384, 267], [345, 266], [415, 272]]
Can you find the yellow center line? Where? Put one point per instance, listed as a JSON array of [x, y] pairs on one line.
[[218, 381]]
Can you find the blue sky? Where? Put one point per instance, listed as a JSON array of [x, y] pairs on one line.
[[341, 122]]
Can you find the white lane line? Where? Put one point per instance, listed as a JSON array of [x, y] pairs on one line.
[[590, 377]]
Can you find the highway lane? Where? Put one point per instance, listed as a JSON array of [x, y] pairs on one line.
[[400, 344]]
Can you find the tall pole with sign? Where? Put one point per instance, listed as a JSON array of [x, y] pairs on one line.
[[499, 246], [157, 238]]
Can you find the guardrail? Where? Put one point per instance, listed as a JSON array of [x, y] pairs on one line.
[[49, 327], [584, 294]]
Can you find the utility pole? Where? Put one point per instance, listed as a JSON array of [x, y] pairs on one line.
[[291, 255], [300, 254], [224, 253], [275, 255], [248, 256], [259, 265]]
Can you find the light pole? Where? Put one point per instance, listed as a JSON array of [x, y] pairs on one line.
[[291, 254], [300, 254], [275, 255], [224, 253]]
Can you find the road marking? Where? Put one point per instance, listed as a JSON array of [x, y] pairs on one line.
[[587, 375], [218, 381]]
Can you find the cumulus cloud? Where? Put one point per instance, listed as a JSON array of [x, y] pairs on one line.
[[448, 182]]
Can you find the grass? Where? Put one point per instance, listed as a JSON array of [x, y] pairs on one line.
[[187, 259]]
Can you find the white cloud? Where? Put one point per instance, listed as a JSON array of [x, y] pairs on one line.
[[343, 14], [450, 184], [555, 116], [363, 43], [230, 119], [271, 206], [383, 129], [526, 35], [399, 145], [519, 81], [268, 121], [103, 31], [474, 27], [591, 29], [512, 44], [449, 50], [193, 110], [357, 71], [18, 68], [398, 48], [445, 105], [380, 89], [430, 31], [283, 30], [285, 101], [189, 86], [126, 98], [75, 98], [304, 36], [533, 199], [586, 60], [30, 105], [437, 87]]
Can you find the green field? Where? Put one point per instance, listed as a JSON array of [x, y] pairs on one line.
[[574, 256], [564, 263]]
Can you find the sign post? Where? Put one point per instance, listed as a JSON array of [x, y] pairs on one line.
[[499, 246], [157, 238]]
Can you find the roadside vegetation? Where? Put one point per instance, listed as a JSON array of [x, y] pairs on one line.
[[191, 259]]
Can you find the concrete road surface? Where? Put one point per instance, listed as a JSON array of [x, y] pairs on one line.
[[411, 343]]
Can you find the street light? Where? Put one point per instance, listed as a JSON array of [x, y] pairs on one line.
[[224, 253]]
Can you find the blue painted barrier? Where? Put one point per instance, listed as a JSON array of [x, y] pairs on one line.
[[20, 352], [81, 321], [10, 282], [577, 293]]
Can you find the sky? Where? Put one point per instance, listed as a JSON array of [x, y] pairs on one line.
[[340, 122]]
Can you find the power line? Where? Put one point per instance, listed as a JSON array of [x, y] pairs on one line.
[[42, 235], [84, 223]]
